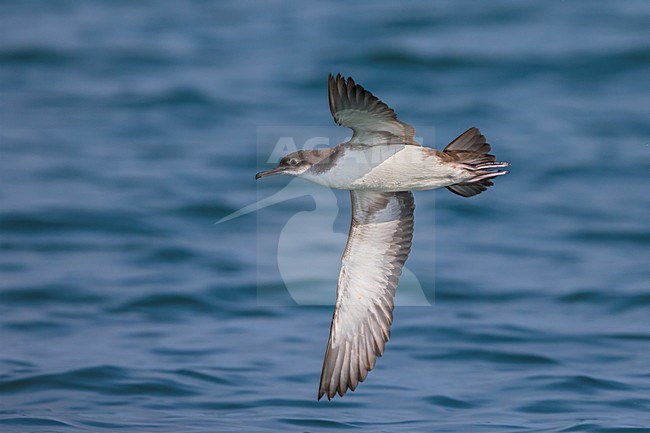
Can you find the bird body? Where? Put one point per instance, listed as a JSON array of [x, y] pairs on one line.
[[381, 164], [388, 168]]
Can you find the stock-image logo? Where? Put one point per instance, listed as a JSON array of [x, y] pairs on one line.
[[307, 244]]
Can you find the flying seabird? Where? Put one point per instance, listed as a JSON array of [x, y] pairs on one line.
[[380, 165]]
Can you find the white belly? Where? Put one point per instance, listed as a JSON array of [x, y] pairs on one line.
[[389, 168]]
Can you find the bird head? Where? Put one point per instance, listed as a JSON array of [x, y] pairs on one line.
[[294, 164]]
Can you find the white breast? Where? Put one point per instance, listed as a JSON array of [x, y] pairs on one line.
[[412, 168]]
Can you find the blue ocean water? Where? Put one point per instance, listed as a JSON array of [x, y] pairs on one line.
[[127, 129]]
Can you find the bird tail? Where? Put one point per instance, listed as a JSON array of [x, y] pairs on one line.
[[470, 151]]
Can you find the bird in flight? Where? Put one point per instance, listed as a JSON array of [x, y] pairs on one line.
[[380, 165]]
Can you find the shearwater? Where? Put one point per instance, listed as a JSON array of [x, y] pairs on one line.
[[380, 165]]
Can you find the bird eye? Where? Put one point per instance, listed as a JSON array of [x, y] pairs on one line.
[[293, 161]]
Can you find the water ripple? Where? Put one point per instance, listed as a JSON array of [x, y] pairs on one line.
[[104, 380]]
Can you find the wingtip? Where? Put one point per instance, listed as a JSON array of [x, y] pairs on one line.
[[321, 393], [339, 77]]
